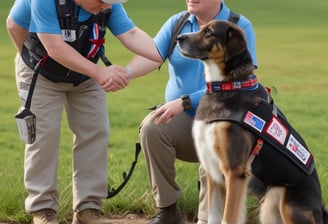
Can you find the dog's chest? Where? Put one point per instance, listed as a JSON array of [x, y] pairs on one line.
[[212, 71], [204, 136]]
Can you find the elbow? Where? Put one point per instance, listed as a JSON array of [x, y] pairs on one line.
[[52, 52], [159, 58], [10, 24], [53, 44]]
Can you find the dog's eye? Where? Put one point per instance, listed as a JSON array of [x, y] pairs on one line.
[[208, 31]]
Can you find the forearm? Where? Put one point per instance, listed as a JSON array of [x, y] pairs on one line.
[[140, 43], [67, 56], [140, 66], [16, 33]]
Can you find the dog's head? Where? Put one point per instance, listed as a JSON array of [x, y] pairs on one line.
[[219, 42]]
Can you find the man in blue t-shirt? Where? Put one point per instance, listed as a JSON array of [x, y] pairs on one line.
[[85, 104], [165, 134]]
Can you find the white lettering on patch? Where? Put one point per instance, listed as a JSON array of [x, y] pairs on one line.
[[68, 35], [277, 130], [298, 150]]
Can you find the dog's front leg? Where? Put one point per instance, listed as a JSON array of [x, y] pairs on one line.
[[236, 194]]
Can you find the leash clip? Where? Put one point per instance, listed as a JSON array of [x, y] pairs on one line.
[[257, 148]]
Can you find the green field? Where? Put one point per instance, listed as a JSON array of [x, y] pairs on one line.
[[292, 55]]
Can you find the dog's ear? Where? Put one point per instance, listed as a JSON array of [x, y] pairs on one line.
[[235, 43]]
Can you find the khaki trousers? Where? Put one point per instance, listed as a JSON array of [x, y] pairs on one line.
[[86, 108], [162, 145]]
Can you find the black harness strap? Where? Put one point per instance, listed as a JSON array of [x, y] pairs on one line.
[[176, 31], [234, 17]]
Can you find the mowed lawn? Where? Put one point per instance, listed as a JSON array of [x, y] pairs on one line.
[[292, 56]]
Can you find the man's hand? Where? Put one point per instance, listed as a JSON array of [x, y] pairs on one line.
[[112, 78]]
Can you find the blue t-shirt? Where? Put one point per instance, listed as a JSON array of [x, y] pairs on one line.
[[20, 13], [41, 17], [186, 76]]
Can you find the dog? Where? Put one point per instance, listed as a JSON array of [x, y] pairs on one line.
[[242, 139]]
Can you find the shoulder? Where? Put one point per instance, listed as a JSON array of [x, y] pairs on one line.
[[44, 10], [243, 21], [246, 25], [164, 35], [184, 15], [20, 13], [44, 17], [226, 12], [118, 8], [172, 22], [119, 21]]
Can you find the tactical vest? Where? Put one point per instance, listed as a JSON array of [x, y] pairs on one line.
[[86, 37], [284, 152]]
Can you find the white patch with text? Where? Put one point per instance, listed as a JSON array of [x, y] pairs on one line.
[[298, 150], [277, 130]]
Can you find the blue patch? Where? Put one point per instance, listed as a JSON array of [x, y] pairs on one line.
[[254, 121]]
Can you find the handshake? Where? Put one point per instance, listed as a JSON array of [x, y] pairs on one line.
[[113, 77]]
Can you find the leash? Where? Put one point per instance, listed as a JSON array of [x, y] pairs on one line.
[[126, 177]]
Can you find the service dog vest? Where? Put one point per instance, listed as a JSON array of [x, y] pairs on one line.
[[267, 122], [86, 37]]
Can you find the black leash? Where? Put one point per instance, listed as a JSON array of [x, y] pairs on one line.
[[126, 177]]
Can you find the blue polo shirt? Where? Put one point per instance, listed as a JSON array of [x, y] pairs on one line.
[[41, 17], [186, 76]]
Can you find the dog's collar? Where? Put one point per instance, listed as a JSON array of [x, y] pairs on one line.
[[250, 84]]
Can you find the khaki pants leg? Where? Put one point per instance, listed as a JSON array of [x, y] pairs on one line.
[[202, 207], [23, 78], [88, 119], [162, 145], [41, 157]]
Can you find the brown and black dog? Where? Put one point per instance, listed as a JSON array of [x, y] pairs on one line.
[[241, 136]]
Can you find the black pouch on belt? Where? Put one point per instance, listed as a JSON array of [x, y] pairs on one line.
[[25, 119], [26, 123]]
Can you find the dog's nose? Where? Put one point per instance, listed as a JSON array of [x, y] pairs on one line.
[[182, 37]]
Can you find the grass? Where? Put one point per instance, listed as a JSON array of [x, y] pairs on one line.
[[291, 49]]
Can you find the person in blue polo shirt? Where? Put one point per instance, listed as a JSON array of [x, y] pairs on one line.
[[165, 134], [70, 79]]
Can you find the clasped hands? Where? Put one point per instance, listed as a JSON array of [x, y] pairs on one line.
[[112, 78]]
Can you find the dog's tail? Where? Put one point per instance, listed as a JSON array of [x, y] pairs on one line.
[[324, 215]]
